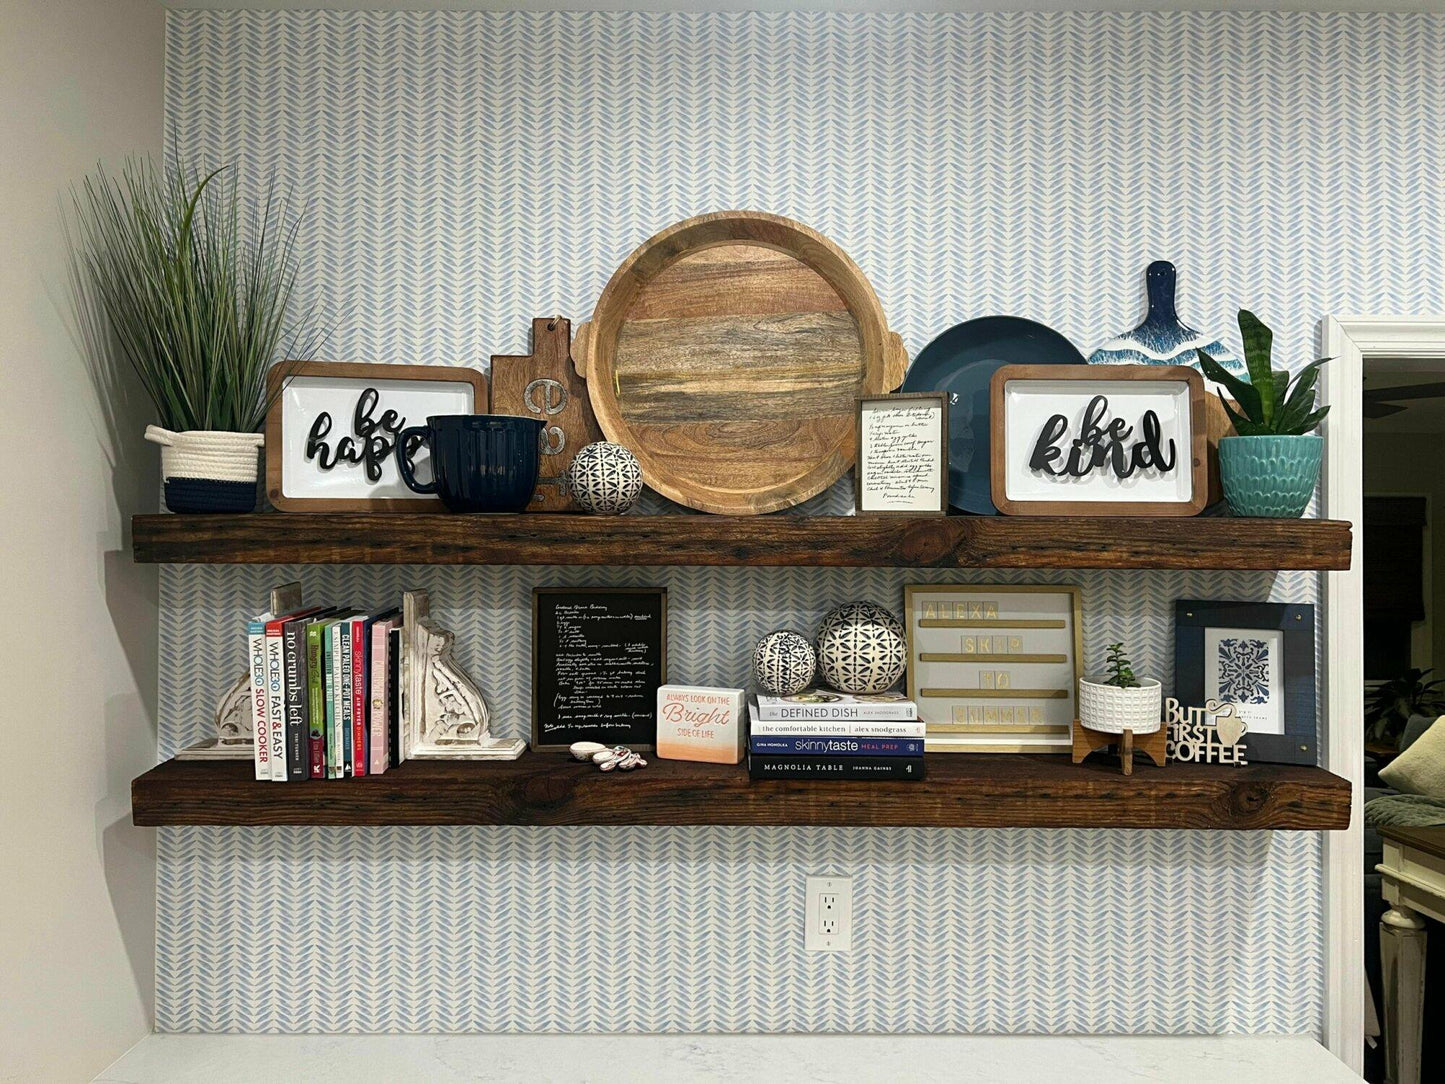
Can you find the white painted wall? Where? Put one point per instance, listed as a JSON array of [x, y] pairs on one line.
[[82, 81]]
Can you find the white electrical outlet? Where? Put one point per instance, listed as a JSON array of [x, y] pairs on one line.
[[828, 914]]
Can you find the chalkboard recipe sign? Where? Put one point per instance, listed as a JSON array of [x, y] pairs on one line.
[[599, 655]]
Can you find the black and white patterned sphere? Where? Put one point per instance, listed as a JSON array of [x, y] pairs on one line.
[[861, 648], [605, 478], [784, 663]]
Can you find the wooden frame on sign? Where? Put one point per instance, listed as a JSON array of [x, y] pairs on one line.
[[282, 376], [897, 399], [1197, 449]]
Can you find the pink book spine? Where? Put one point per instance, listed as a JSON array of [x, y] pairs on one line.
[[359, 714], [380, 704]]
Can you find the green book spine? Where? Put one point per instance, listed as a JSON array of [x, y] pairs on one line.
[[315, 702]]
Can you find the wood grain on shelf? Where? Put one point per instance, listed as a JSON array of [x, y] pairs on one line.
[[960, 790], [832, 541]]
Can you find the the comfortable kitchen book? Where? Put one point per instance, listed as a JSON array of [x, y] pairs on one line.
[[825, 705]]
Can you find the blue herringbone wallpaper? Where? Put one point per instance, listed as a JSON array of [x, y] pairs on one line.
[[465, 172]]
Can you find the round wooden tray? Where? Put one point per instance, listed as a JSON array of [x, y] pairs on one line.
[[727, 352]]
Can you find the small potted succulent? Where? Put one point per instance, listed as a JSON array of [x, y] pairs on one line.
[[1271, 466], [178, 284], [1117, 701]]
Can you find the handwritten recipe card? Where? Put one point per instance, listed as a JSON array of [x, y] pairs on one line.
[[903, 454]]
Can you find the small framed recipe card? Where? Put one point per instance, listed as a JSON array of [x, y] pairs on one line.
[[903, 455]]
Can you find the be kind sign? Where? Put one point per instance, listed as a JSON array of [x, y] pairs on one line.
[[1109, 440]]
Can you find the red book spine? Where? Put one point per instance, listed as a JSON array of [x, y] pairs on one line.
[[359, 714]]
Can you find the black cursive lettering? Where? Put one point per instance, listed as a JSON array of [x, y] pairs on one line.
[[1102, 445], [376, 437]]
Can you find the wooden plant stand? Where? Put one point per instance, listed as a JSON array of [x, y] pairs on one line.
[[1088, 741]]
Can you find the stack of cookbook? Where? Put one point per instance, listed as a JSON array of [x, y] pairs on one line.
[[823, 734]]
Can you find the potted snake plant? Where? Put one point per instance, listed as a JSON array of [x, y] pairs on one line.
[[175, 282], [1116, 701], [1271, 465]]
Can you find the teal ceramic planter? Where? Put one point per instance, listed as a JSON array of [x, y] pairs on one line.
[[1270, 476]]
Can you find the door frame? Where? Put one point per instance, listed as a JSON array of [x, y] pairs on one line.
[[1351, 341]]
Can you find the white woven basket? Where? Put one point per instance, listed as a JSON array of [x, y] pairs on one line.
[[207, 453], [1113, 710]]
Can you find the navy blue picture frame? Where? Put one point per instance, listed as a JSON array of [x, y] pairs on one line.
[[1299, 744]]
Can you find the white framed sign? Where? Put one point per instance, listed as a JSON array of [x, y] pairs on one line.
[[902, 455], [1121, 440], [332, 427]]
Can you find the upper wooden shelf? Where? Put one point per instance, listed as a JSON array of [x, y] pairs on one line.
[[960, 791], [843, 541]]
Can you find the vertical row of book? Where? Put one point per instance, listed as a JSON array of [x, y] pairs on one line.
[[324, 693], [823, 734]]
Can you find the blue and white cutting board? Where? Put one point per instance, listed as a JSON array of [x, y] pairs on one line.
[[1161, 339]]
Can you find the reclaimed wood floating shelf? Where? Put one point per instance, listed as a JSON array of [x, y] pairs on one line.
[[959, 791], [826, 541]]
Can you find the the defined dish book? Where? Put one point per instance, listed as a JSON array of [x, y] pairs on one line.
[[826, 705]]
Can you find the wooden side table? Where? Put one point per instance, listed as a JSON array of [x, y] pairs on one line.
[[1413, 885]]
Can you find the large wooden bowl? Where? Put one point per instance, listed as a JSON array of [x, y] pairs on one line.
[[727, 352]]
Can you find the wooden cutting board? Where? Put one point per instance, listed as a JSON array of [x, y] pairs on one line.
[[544, 384], [727, 352]]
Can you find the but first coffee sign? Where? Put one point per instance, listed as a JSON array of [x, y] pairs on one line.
[[1115, 440]]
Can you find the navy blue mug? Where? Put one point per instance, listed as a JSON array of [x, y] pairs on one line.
[[480, 462]]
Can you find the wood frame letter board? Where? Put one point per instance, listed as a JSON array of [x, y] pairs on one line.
[[599, 655], [994, 668], [1082, 440], [404, 395]]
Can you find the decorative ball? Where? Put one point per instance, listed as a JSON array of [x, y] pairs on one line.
[[605, 478], [861, 648], [784, 663]]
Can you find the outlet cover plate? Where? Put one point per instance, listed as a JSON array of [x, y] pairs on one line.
[[828, 914]]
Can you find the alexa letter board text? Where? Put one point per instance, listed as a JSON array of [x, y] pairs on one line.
[[598, 658]]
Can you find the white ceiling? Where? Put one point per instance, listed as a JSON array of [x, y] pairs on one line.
[[824, 5]]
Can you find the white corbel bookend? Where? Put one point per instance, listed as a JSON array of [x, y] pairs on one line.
[[235, 735], [443, 713]]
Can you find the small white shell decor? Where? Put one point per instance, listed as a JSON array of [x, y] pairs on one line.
[[861, 648], [607, 758], [605, 478], [784, 663]]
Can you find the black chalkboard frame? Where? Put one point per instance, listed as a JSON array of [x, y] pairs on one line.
[[608, 738]]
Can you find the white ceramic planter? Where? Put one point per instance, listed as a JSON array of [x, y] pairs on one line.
[[208, 470], [1112, 710]]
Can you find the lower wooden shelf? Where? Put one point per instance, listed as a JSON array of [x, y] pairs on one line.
[[960, 791]]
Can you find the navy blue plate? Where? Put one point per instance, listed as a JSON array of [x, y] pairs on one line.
[[961, 362]]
